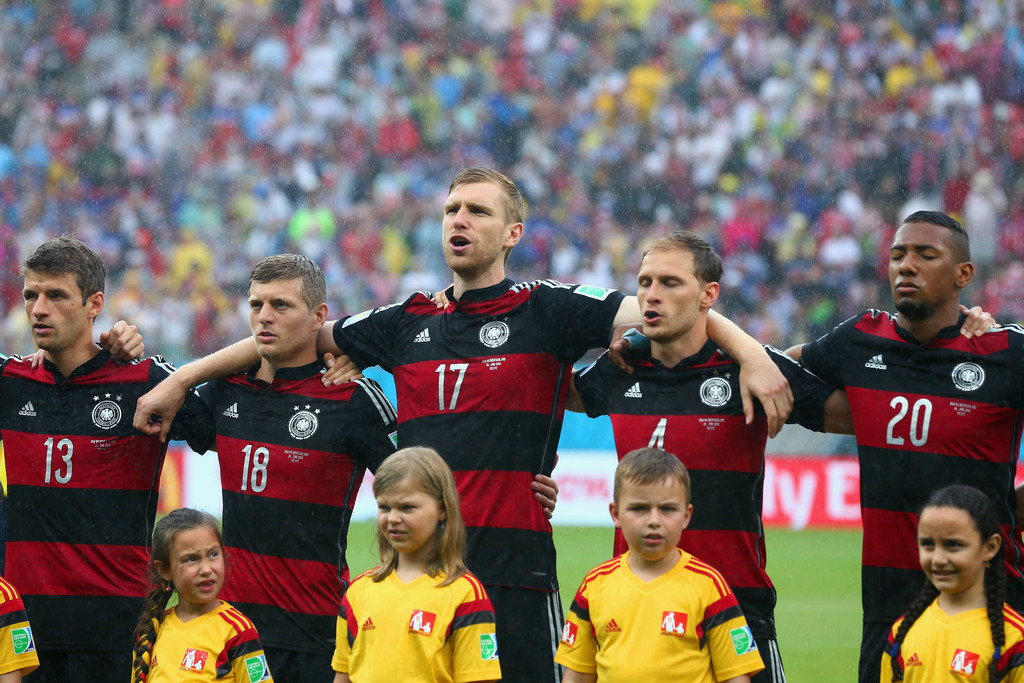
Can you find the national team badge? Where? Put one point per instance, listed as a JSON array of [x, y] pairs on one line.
[[742, 640], [302, 425], [964, 663], [569, 632], [968, 376], [488, 647], [256, 667], [494, 334], [22, 640], [715, 392], [194, 660], [106, 414], [422, 622], [673, 623]]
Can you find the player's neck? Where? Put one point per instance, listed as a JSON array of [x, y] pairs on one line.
[[671, 353], [187, 611], [269, 367], [925, 330], [647, 570], [68, 360], [466, 281]]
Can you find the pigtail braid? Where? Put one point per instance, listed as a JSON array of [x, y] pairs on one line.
[[153, 610], [925, 597], [995, 597]]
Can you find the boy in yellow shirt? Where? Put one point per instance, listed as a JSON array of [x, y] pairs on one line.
[[655, 613]]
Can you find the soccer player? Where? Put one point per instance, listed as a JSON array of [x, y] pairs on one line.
[[655, 613], [291, 449], [82, 482], [684, 398], [931, 407], [484, 381]]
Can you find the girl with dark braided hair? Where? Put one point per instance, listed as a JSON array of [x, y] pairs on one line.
[[959, 627], [201, 634]]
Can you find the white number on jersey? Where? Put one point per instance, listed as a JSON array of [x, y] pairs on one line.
[[460, 368], [920, 419], [65, 449], [255, 477]]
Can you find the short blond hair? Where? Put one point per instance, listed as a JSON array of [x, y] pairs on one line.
[[647, 466]]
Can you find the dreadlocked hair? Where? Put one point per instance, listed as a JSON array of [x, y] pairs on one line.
[[927, 594], [154, 608], [986, 522]]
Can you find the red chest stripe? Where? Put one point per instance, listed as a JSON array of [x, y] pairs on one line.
[[933, 424], [502, 382]]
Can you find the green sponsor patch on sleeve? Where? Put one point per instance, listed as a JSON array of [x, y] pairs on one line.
[[22, 640], [599, 293], [256, 667], [488, 647], [742, 640]]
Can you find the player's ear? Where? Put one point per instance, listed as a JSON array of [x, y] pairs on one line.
[[162, 570], [964, 274], [614, 511], [93, 305], [709, 295]]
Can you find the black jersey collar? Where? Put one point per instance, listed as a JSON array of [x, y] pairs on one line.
[[949, 332], [702, 356], [91, 365], [289, 374], [483, 294]]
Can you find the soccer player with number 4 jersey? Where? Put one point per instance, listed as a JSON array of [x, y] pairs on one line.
[[684, 397]]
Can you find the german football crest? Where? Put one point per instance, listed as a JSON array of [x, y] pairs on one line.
[[303, 424], [968, 376], [106, 414], [422, 622], [715, 392], [494, 334]]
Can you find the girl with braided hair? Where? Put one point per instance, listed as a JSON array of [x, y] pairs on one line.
[[201, 635], [959, 627]]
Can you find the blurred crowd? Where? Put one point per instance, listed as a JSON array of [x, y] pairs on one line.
[[187, 139]]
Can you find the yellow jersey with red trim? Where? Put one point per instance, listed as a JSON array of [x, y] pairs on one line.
[[220, 646], [940, 647], [684, 625], [17, 644], [416, 632]]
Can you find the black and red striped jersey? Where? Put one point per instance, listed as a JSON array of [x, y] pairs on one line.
[[925, 416], [83, 487], [292, 455], [694, 411], [484, 381]]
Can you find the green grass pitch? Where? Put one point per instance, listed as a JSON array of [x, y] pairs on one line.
[[816, 573]]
